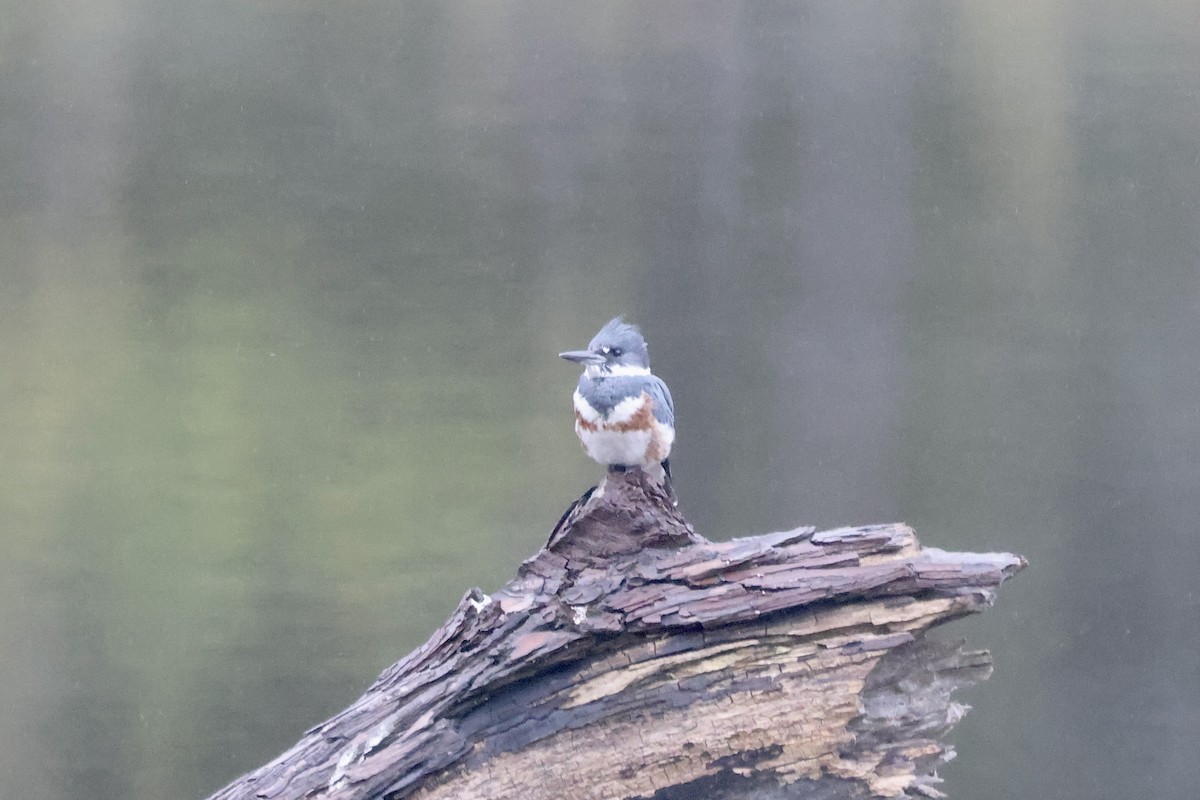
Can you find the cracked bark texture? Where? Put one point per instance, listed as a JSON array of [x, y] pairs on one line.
[[632, 658]]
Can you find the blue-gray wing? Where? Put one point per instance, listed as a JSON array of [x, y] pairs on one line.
[[664, 407]]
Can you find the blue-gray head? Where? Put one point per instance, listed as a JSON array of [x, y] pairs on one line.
[[618, 349]]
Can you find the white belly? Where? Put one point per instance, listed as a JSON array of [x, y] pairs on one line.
[[615, 447], [604, 440]]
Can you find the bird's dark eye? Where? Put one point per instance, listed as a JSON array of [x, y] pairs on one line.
[[616, 352]]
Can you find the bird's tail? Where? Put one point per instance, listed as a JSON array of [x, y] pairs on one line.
[[668, 483]]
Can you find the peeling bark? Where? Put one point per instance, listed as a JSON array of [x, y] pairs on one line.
[[631, 658]]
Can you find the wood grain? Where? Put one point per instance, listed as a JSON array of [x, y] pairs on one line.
[[631, 658]]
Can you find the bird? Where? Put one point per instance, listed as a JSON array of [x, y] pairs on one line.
[[624, 414]]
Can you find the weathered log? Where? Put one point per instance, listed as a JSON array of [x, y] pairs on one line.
[[631, 658]]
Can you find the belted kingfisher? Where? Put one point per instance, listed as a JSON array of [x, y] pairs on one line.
[[623, 414]]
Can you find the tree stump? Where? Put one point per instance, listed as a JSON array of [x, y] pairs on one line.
[[632, 658]]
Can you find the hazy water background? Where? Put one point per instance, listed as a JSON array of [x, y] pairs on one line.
[[283, 285]]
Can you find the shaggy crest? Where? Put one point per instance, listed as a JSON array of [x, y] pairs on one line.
[[620, 334]]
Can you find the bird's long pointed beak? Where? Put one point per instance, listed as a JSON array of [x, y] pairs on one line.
[[582, 357]]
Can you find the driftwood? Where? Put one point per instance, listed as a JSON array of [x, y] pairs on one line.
[[631, 658]]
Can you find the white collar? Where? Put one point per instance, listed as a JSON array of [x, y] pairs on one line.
[[616, 371]]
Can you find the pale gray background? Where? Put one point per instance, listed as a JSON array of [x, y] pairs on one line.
[[283, 285]]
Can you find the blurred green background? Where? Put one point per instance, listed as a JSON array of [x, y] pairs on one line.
[[282, 286]]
